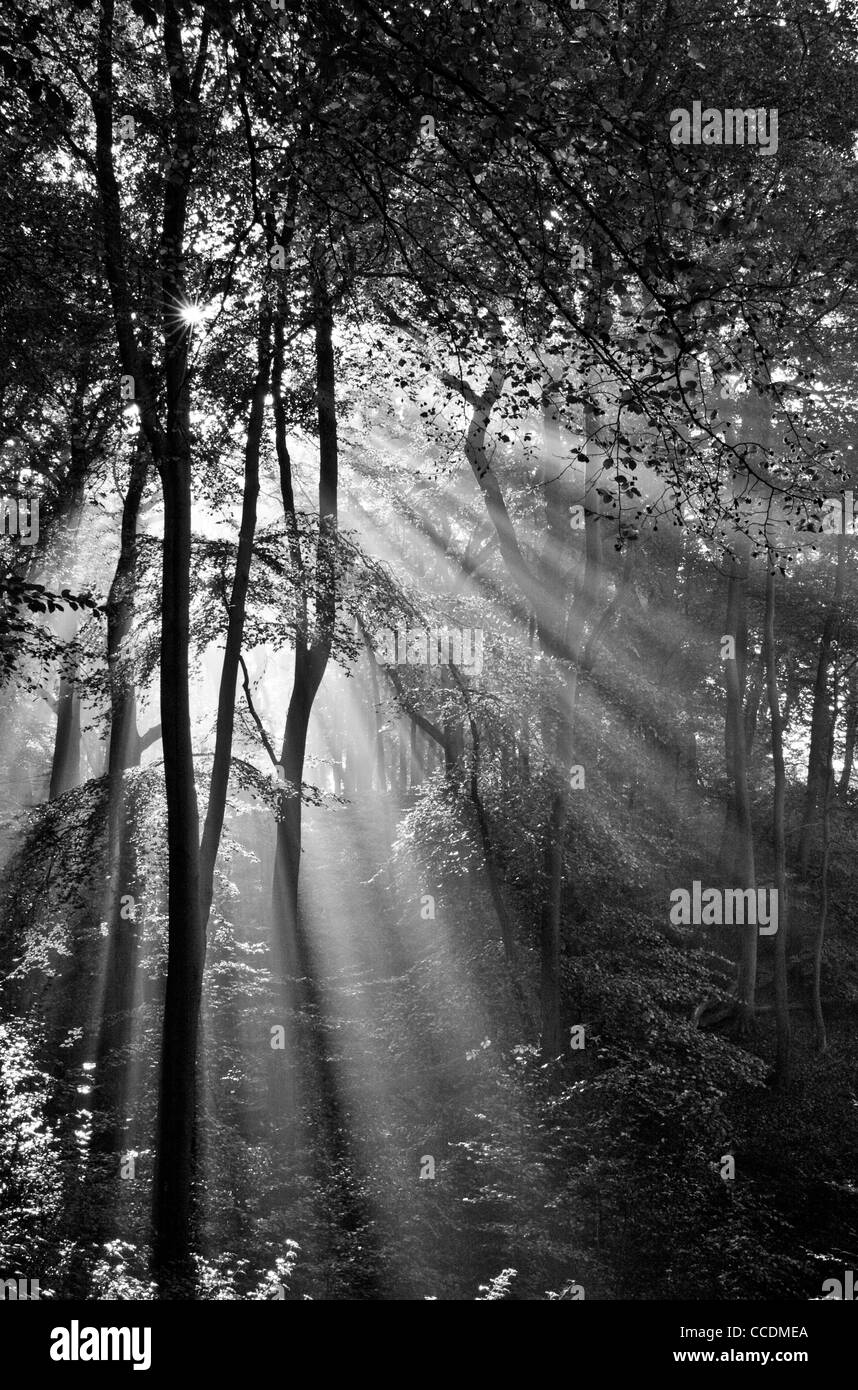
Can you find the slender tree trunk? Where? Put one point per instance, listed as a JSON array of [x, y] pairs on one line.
[[820, 721], [65, 768], [851, 730], [287, 860], [311, 658], [380, 771], [793, 687], [186, 939], [752, 704], [235, 627], [549, 934], [527, 718], [553, 623], [782, 1060], [123, 752], [296, 957], [115, 1021], [174, 1168], [820, 1037], [490, 857], [403, 758], [416, 759], [744, 858], [734, 691]]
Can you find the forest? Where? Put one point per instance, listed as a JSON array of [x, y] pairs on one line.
[[428, 650]]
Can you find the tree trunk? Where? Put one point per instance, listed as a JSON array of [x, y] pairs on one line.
[[820, 1037], [171, 450], [380, 770], [186, 938], [235, 627], [403, 758], [549, 935], [490, 857], [782, 1060], [743, 861], [65, 768], [752, 704], [552, 624], [123, 752], [416, 759], [735, 693], [851, 730], [173, 1188], [287, 857], [311, 658], [793, 689], [294, 955], [817, 767]]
